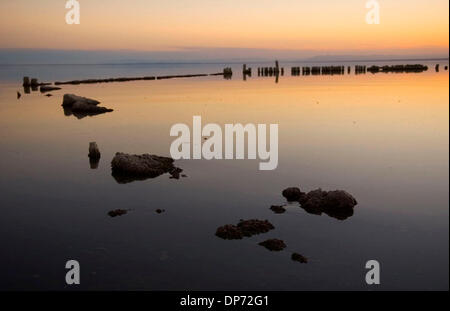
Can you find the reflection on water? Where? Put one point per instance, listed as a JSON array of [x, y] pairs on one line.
[[383, 138]]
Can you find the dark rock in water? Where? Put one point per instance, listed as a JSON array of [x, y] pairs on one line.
[[48, 95], [81, 107], [44, 88], [94, 152], [127, 167], [299, 258], [293, 194], [19, 95], [160, 211], [183, 175], [117, 212], [273, 245], [175, 173], [278, 209], [254, 226], [338, 204], [229, 232], [245, 228], [70, 99]]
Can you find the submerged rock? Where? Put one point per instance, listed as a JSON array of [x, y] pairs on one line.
[[274, 245], [117, 212], [299, 258], [81, 107], [278, 209], [245, 228], [293, 194], [130, 167]]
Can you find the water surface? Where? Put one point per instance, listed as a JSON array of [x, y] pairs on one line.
[[383, 138]]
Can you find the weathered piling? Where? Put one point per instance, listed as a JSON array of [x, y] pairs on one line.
[[360, 69]]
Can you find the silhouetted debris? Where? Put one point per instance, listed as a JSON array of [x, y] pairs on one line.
[[81, 107], [45, 89], [278, 209], [127, 168], [273, 245], [299, 258], [117, 212], [293, 194], [18, 95], [245, 228]]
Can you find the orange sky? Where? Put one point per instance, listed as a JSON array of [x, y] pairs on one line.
[[171, 24]]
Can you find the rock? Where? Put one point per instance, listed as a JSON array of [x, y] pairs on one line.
[[48, 95], [70, 99], [81, 107], [292, 194], [245, 228], [26, 81], [160, 211], [117, 212], [94, 152], [229, 232], [338, 204], [273, 245], [299, 258], [175, 173], [18, 95], [254, 226], [44, 88], [128, 168], [278, 209]]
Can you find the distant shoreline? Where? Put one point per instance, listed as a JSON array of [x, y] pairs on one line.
[[230, 62]]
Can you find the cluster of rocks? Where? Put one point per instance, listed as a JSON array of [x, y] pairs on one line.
[[338, 204], [81, 107], [130, 167]]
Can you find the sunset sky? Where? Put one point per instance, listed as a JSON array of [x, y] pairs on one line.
[[156, 25]]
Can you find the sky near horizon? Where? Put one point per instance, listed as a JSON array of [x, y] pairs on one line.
[[156, 25]]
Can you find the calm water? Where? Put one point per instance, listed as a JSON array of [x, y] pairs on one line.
[[384, 138]]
